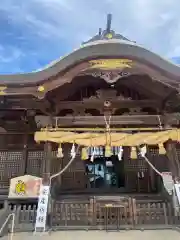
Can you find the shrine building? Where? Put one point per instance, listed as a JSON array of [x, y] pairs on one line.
[[91, 114]]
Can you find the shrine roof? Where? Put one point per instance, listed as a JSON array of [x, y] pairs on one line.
[[106, 44]]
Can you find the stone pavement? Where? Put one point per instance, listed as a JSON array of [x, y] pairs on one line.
[[101, 235]]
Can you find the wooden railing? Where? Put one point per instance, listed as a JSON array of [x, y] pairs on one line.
[[99, 213]]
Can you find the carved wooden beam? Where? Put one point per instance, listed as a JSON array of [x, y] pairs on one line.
[[99, 104], [46, 106], [147, 120]]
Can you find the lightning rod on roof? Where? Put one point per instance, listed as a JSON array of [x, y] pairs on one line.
[[109, 20]]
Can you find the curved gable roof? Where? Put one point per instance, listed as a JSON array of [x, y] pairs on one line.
[[102, 48]]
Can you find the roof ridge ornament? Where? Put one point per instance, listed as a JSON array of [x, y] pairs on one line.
[[108, 33]]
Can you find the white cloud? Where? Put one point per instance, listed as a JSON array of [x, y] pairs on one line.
[[153, 23], [14, 54]]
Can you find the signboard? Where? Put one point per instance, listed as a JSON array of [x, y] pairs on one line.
[[42, 208], [168, 182], [107, 64], [177, 188], [26, 186]]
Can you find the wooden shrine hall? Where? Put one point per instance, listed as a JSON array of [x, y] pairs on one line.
[[103, 103]]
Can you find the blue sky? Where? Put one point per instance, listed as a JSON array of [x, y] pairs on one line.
[[35, 32]]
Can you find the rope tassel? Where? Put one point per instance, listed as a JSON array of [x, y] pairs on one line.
[[84, 154], [120, 154], [143, 151], [92, 156], [60, 152], [133, 153], [108, 151], [162, 149], [73, 150]]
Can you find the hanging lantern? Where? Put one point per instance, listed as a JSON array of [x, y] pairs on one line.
[[60, 152], [84, 154], [162, 149], [120, 153], [108, 151], [133, 153], [73, 151], [143, 151]]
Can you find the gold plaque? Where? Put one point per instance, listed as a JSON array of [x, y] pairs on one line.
[[107, 64]]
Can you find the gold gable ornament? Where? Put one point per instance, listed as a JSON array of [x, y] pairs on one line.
[[109, 36], [111, 63]]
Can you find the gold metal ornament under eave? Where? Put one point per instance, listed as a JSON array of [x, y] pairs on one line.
[[2, 90], [41, 88], [107, 64]]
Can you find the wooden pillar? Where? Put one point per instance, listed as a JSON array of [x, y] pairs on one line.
[[46, 168], [25, 153], [174, 164], [152, 174]]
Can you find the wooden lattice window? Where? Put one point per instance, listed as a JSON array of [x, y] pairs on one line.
[[3, 161], [56, 163], [135, 165], [34, 163], [178, 151], [4, 181], [158, 160], [11, 165], [15, 164], [153, 151]]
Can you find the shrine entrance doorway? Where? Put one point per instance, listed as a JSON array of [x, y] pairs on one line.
[[105, 173]]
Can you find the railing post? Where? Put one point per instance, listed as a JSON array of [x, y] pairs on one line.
[[6, 204], [3, 216], [12, 226], [131, 211], [134, 209], [5, 224], [17, 217]]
